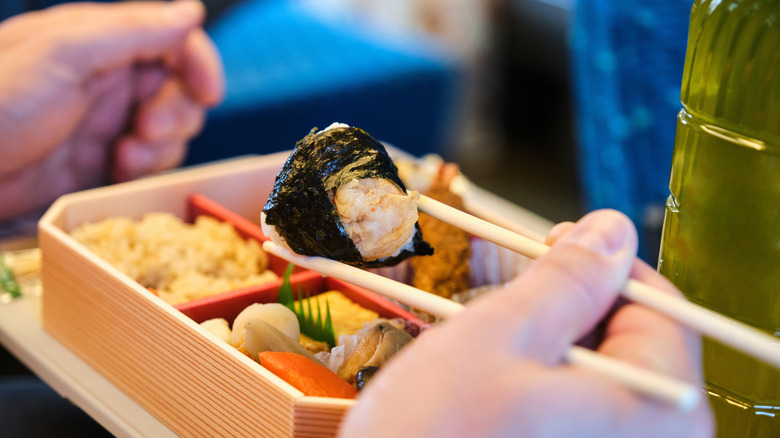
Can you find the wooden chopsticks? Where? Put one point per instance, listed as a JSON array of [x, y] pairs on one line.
[[730, 332]]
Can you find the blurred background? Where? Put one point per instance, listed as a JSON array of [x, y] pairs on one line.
[[560, 106], [485, 84]]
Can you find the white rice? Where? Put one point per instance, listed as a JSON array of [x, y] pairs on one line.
[[179, 261]]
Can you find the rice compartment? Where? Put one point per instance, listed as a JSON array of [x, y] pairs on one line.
[[178, 261]]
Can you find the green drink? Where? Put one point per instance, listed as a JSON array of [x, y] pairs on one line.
[[721, 240]]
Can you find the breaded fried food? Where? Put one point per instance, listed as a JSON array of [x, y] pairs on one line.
[[447, 271]]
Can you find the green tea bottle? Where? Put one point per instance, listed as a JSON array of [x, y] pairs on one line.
[[721, 238]]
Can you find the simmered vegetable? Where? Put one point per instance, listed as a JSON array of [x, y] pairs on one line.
[[308, 376]]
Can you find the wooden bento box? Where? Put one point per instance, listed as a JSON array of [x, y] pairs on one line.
[[157, 353]]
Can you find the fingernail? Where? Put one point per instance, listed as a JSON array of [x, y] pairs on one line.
[[605, 234]]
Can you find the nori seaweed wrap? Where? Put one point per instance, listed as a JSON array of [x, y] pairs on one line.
[[302, 207]]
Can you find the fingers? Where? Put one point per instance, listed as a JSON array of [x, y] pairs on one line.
[[149, 77], [164, 123], [645, 337], [177, 72], [567, 291], [133, 32], [135, 158], [558, 231], [101, 37], [169, 115], [88, 39], [201, 69]]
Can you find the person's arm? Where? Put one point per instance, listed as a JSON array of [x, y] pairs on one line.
[[97, 93], [498, 370]]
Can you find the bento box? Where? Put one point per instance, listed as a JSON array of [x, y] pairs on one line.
[[157, 352]]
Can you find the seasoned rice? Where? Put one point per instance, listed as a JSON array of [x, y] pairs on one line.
[[178, 261]]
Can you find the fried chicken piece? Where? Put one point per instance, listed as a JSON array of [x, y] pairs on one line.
[[447, 271]]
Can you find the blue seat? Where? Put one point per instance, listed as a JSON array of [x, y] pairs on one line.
[[288, 71], [627, 64]]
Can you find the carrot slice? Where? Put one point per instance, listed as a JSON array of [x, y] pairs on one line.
[[306, 375]]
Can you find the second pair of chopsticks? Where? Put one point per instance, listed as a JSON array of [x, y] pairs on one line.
[[682, 395]]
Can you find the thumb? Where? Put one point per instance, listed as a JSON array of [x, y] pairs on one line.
[[111, 35], [567, 291]]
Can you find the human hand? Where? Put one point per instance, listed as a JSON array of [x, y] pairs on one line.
[[97, 93], [497, 369]]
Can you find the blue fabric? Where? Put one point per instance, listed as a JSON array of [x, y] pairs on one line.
[[288, 72], [627, 69]]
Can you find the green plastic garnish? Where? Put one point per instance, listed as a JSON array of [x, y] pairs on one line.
[[312, 326], [8, 281]]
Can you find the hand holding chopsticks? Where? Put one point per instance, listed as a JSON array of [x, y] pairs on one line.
[[728, 331], [680, 394]]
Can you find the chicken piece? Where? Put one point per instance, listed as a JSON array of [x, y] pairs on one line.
[[379, 218], [447, 271]]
